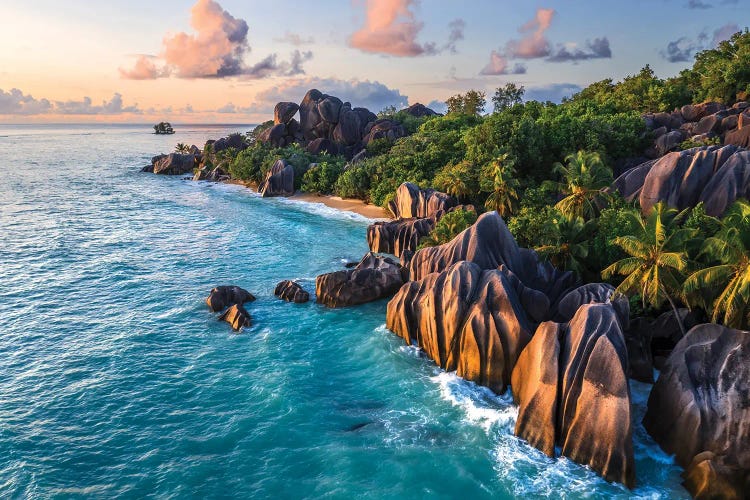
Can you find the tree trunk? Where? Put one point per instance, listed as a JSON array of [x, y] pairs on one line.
[[676, 313]]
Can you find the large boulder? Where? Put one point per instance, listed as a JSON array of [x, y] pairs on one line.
[[420, 110], [237, 317], [372, 279], [349, 129], [383, 129], [174, 164], [593, 293], [699, 409], [291, 292], [284, 112], [235, 141], [279, 180], [466, 319], [411, 201], [322, 145], [225, 296], [571, 386], [715, 175], [397, 236], [277, 135], [488, 243], [329, 108]]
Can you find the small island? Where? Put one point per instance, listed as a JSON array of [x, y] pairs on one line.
[[163, 128]]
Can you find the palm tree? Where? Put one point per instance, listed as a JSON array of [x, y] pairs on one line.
[[725, 287], [504, 195], [182, 148], [571, 246], [657, 258], [455, 179], [584, 177]]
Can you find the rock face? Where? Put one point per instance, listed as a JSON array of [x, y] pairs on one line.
[[291, 292], [699, 409], [466, 319], [412, 202], [593, 293], [420, 110], [174, 164], [395, 237], [697, 122], [284, 112], [225, 296], [372, 279], [571, 386], [237, 317], [714, 175], [279, 180], [488, 243]]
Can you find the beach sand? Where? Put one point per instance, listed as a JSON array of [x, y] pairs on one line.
[[345, 204]]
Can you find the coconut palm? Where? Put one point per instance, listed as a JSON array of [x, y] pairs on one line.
[[456, 179], [181, 147], [584, 177], [571, 243], [724, 288], [657, 258], [504, 194]]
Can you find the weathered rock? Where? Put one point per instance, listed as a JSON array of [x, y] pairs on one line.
[[225, 296], [148, 168], [701, 403], [707, 125], [284, 112], [715, 175], [235, 141], [383, 129], [420, 110], [174, 164], [291, 292], [322, 145], [374, 278], [329, 108], [279, 181], [488, 243], [237, 317], [669, 141], [593, 293], [349, 129], [739, 137], [572, 389], [710, 477], [395, 237], [410, 202], [467, 320], [277, 135], [640, 358]]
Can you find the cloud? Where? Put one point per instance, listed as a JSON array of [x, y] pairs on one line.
[[698, 4], [216, 49], [438, 106], [499, 65], [554, 92], [368, 94], [294, 39], [15, 102], [597, 49], [684, 48], [391, 28], [534, 44]]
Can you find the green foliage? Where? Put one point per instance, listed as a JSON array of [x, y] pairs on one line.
[[657, 257], [470, 103], [457, 179], [252, 136], [507, 96], [584, 177], [448, 227], [617, 219], [724, 288], [531, 226], [570, 243], [722, 73], [503, 187], [354, 183], [322, 177], [182, 148], [379, 147], [690, 143], [247, 165]]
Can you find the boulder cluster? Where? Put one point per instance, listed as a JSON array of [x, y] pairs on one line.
[[372, 279], [291, 292], [327, 124], [713, 175], [416, 212], [699, 123], [231, 298]]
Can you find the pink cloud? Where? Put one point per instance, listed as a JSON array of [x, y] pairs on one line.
[[534, 43], [499, 65], [144, 69], [390, 28]]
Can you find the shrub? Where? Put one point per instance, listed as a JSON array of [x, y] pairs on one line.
[[448, 227]]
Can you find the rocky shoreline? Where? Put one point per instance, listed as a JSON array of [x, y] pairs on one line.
[[500, 316]]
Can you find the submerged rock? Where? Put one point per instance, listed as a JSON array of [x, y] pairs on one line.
[[571, 386], [225, 296], [237, 317], [372, 279], [291, 292], [699, 409]]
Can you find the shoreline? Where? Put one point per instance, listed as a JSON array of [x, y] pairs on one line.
[[343, 204]]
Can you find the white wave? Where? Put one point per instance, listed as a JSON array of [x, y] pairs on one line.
[[480, 404], [324, 210]]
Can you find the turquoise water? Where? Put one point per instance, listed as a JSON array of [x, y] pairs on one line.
[[116, 380]]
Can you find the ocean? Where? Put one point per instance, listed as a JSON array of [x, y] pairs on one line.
[[116, 379]]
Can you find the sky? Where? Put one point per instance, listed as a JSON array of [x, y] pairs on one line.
[[230, 61]]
